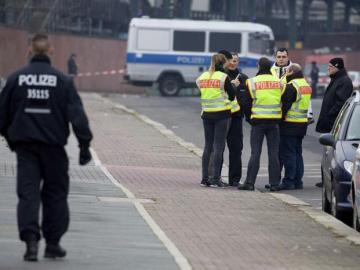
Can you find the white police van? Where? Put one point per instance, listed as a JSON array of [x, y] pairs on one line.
[[174, 53]]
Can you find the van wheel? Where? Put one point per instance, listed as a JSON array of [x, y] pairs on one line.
[[169, 85]]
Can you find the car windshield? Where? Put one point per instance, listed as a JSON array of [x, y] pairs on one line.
[[261, 43], [353, 132]]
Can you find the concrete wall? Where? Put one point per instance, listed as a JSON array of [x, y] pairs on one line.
[[13, 50], [94, 56]]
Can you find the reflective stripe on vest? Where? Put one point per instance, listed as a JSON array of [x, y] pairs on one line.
[[235, 107], [299, 109], [265, 91], [213, 96]]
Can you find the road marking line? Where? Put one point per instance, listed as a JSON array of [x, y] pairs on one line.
[[180, 259]]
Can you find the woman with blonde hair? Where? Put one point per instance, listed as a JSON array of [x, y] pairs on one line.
[[216, 96]]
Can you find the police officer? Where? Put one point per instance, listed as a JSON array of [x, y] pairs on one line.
[[36, 106], [262, 107], [235, 133], [282, 62], [228, 57], [295, 105], [216, 96], [279, 68]]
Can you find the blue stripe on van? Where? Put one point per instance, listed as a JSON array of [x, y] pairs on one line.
[[193, 60]]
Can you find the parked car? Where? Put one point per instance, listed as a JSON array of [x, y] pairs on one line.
[[355, 191], [337, 160], [355, 78]]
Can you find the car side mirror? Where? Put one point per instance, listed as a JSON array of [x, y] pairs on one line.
[[327, 139]]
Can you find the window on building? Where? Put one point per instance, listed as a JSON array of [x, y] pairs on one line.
[[189, 41], [225, 41], [217, 6]]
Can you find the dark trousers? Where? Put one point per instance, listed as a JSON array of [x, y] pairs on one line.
[[235, 145], [314, 90], [258, 132], [291, 158], [215, 135], [42, 177]]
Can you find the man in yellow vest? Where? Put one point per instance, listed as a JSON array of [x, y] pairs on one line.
[[296, 103], [282, 62], [262, 108]]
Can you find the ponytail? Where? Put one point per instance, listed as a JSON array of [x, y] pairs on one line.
[[217, 61]]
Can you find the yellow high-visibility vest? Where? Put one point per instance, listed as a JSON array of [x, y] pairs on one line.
[[265, 90], [275, 70], [235, 107], [299, 109], [213, 96]]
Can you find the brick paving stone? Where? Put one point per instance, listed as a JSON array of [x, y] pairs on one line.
[[213, 228]]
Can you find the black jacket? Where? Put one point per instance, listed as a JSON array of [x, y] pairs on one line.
[[72, 67], [240, 90], [287, 99], [37, 104], [338, 91], [248, 102]]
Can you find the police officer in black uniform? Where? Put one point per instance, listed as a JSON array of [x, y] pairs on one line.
[[235, 133], [36, 106]]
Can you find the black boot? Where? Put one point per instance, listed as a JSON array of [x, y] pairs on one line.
[[31, 251], [246, 186], [54, 251]]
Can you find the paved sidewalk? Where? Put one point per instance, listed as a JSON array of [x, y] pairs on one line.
[[103, 234], [214, 229]]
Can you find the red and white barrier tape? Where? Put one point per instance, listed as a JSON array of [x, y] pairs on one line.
[[102, 73]]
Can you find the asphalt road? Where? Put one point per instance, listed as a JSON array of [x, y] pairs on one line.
[[182, 115]]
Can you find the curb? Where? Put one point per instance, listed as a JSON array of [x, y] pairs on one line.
[[328, 221]]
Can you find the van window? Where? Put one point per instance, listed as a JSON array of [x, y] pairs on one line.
[[189, 41], [225, 41], [260, 43], [153, 40]]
